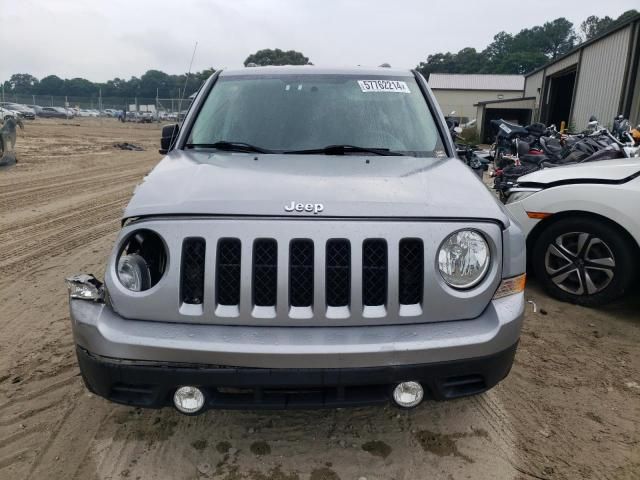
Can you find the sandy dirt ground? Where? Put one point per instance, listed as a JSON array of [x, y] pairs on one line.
[[570, 408]]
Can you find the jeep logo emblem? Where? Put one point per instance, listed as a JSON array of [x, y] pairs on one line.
[[316, 208]]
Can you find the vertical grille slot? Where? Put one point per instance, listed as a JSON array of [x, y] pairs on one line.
[[338, 273], [374, 272], [411, 274], [301, 273], [228, 272], [192, 272], [265, 272]]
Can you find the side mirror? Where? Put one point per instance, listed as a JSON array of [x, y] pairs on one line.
[[168, 139]]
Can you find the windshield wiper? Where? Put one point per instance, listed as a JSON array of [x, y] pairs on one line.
[[344, 149], [230, 147]]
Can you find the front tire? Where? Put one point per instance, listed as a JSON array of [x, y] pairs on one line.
[[584, 260]]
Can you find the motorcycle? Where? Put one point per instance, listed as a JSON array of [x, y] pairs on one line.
[[552, 150], [622, 130], [466, 152]]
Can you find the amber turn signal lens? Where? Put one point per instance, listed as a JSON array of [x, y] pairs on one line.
[[511, 286], [538, 215]]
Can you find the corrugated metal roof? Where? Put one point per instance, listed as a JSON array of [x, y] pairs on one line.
[[454, 81]]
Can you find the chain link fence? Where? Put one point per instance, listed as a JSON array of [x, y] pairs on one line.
[[101, 103]]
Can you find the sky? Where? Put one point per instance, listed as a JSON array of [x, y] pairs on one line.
[[100, 40]]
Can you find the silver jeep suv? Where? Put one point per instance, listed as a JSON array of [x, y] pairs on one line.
[[309, 240]]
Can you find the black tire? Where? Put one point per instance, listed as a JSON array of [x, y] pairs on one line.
[[602, 281]]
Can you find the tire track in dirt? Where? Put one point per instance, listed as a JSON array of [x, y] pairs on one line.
[[30, 430], [56, 205], [501, 424], [49, 389], [63, 241], [49, 178], [28, 226], [45, 194], [28, 236]]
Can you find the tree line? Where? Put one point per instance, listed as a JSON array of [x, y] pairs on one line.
[[150, 84], [507, 54], [525, 51]]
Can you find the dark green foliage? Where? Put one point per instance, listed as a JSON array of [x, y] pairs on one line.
[[508, 54], [594, 26], [276, 57], [521, 52]]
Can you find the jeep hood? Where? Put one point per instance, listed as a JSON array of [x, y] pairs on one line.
[[226, 183], [617, 170]]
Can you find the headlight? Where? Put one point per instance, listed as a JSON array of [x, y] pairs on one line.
[[141, 261], [516, 194], [133, 272], [464, 259]]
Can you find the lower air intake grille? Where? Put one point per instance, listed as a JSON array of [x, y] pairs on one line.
[[374, 272], [301, 273], [228, 272], [411, 271], [338, 274], [192, 275], [265, 272]]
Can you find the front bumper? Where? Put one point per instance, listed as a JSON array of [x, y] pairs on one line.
[[152, 385], [101, 331], [141, 362]]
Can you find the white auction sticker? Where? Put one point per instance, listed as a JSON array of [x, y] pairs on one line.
[[395, 86]]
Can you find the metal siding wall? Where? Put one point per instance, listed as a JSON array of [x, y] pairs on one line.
[[562, 64], [533, 83], [600, 79], [463, 101]]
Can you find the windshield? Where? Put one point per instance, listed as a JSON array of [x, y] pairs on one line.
[[285, 113]]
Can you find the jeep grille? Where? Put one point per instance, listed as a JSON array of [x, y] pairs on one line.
[[337, 272]]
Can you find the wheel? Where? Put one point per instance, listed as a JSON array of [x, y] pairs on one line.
[[584, 261]]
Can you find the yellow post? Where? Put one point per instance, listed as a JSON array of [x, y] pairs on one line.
[[562, 126]]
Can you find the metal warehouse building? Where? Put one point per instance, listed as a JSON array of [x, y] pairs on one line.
[[460, 93], [599, 77]]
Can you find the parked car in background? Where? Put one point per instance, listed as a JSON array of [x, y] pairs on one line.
[[146, 117], [168, 116], [36, 108], [85, 112], [22, 110], [582, 227], [53, 112], [139, 117], [6, 113]]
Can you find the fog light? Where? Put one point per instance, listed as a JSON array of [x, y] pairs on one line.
[[408, 394], [188, 399]]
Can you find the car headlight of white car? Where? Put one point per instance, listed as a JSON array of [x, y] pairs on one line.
[[464, 259], [517, 194]]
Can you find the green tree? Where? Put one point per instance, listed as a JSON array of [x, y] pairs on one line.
[[508, 54], [79, 87], [153, 81], [502, 45], [594, 26], [276, 57], [628, 15], [557, 37], [23, 83], [51, 85]]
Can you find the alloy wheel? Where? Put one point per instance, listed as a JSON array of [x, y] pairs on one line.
[[580, 263]]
